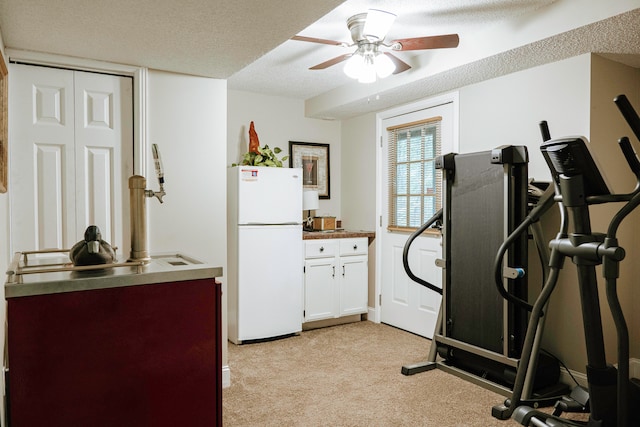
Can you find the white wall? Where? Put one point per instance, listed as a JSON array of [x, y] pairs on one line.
[[277, 121], [358, 155], [575, 97], [187, 119], [508, 109]]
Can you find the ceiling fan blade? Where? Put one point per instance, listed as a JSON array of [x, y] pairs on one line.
[[331, 62], [315, 40], [429, 42], [401, 66]]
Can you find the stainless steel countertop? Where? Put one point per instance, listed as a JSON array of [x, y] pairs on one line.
[[161, 269]]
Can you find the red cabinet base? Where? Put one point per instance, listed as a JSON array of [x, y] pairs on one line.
[[146, 355]]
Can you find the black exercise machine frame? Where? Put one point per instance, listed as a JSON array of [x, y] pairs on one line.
[[578, 184], [498, 358]]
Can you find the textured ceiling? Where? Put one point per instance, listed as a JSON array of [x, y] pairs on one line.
[[620, 34], [285, 70], [247, 41], [212, 38]]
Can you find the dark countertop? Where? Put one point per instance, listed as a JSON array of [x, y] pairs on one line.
[[338, 234]]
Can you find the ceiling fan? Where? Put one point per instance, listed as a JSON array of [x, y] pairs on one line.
[[372, 56]]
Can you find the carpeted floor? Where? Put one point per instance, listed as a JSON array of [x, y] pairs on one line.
[[349, 375]]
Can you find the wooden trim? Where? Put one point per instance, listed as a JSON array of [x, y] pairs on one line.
[[4, 125], [429, 231], [416, 123]]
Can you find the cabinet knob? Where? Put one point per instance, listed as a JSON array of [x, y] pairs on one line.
[[355, 247], [321, 248]]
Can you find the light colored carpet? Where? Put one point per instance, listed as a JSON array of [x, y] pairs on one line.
[[349, 375]]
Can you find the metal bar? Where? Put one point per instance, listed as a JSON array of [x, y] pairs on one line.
[[488, 354], [35, 270]]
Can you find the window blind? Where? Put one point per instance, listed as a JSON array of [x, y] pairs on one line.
[[415, 185]]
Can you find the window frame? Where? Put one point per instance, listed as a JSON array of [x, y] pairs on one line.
[[393, 195]]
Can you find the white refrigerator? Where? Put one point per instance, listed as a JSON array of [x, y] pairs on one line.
[[265, 252]]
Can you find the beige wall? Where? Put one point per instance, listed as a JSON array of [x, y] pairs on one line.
[[608, 80]]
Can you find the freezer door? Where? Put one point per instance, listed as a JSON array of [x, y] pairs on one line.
[[269, 195], [270, 281]]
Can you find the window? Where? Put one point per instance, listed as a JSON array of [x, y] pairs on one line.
[[414, 183]]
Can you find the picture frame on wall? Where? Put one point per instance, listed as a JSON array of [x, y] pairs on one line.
[[313, 159], [4, 108]]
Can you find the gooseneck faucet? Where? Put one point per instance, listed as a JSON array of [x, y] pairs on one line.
[[159, 173], [137, 198]]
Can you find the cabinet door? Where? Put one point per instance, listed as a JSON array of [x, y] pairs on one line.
[[353, 285], [320, 299]]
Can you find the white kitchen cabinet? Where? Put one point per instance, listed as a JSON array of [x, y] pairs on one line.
[[335, 278]]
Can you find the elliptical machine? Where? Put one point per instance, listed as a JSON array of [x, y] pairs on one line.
[[579, 184]]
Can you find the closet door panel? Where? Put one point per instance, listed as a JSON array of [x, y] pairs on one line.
[[41, 157], [71, 153], [104, 146]]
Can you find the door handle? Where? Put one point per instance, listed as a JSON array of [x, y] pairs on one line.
[[343, 271], [333, 274]]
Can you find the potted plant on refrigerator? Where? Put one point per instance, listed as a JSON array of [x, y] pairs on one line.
[[260, 156]]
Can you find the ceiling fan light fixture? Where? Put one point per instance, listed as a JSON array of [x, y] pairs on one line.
[[378, 24], [354, 66], [368, 71], [384, 66]]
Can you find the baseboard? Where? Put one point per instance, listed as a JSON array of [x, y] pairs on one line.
[[226, 376], [634, 372], [332, 322], [565, 378], [372, 315], [634, 368]]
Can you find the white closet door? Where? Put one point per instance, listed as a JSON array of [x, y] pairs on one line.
[[41, 150], [103, 151], [71, 153]]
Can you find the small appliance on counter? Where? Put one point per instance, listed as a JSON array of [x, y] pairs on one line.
[[324, 223]]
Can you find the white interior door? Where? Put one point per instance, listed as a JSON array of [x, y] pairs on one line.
[[71, 150], [404, 303], [103, 154]]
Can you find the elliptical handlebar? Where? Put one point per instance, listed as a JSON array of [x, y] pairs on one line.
[[543, 205]]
